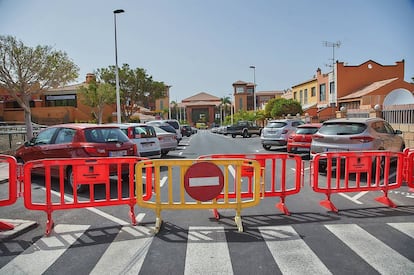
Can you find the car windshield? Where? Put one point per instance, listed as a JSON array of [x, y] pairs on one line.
[[173, 124], [342, 128], [102, 135], [306, 130], [276, 124]]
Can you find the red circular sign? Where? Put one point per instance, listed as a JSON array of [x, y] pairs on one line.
[[203, 181]]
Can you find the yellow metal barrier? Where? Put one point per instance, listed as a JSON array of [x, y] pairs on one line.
[[200, 183]]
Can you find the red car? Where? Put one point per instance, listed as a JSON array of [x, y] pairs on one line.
[[77, 141], [302, 137]]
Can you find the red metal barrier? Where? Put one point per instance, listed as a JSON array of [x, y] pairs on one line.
[[409, 168], [11, 189], [356, 172], [94, 173], [272, 166]]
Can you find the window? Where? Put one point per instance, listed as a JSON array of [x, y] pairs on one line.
[[250, 90], [301, 96], [65, 136], [239, 90], [322, 92], [332, 87], [61, 100], [313, 91], [295, 97], [305, 97], [45, 137], [240, 103]]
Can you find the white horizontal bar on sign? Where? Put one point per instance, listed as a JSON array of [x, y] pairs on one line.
[[204, 181]]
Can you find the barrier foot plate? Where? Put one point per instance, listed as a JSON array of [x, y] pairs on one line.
[[385, 200], [282, 207], [329, 205], [6, 226]]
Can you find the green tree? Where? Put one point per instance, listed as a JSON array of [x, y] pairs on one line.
[[225, 106], [283, 107], [137, 88], [25, 71], [97, 96]]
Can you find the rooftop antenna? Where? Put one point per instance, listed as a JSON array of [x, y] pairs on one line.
[[332, 87]]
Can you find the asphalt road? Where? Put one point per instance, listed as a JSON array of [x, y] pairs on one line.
[[364, 237]]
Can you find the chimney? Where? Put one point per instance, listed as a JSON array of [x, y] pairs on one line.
[[90, 77]]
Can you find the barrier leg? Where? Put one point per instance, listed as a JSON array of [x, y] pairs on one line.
[[238, 221], [132, 214], [49, 224], [6, 226], [385, 200], [282, 207], [216, 214], [328, 204], [158, 221]]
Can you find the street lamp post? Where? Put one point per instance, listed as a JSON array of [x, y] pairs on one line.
[[118, 99], [254, 88]]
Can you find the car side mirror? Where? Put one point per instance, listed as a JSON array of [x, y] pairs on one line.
[[398, 132]]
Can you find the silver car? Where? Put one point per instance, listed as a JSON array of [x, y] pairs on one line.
[[277, 132], [356, 134]]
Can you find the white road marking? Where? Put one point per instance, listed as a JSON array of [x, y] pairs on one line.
[[288, 249], [207, 251], [380, 256], [42, 254], [405, 227], [129, 254], [354, 198]]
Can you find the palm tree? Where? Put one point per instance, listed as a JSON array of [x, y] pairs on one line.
[[224, 105]]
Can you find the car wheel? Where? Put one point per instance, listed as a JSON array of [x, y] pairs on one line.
[[69, 180], [266, 147], [245, 134], [233, 135]]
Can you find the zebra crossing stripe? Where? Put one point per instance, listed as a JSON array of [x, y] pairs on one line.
[[405, 227], [288, 249], [42, 254], [207, 251], [129, 254], [380, 256]]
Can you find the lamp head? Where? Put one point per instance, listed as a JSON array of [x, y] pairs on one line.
[[119, 11]]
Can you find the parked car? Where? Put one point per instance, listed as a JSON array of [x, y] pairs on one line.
[[165, 126], [77, 141], [356, 134], [186, 130], [176, 125], [244, 128], [302, 137], [168, 140], [144, 137], [277, 132]]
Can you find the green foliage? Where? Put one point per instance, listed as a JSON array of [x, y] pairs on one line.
[[281, 107], [25, 71], [137, 88], [97, 95]]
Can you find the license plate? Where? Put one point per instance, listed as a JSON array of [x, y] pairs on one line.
[[146, 145], [335, 150], [117, 153]]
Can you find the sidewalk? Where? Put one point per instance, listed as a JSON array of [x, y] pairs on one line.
[[19, 226]]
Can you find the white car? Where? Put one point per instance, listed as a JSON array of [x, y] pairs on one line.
[[168, 141], [144, 136]]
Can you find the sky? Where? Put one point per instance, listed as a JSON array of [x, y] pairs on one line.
[[206, 45]]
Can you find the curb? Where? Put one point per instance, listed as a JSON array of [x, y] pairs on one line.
[[20, 226]]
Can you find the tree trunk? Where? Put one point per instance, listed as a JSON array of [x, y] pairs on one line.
[[28, 122]]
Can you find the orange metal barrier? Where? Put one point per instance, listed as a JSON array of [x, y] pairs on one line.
[[11, 192], [409, 167], [200, 183], [94, 173], [356, 172], [272, 166]]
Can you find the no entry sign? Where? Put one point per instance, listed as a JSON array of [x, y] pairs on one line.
[[203, 181]]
